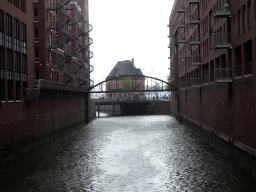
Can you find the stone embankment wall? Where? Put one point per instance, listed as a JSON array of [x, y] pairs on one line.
[[110, 109], [154, 108], [159, 107], [32, 123], [234, 149]]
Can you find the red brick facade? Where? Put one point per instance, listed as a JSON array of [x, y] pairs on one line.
[[212, 60], [45, 67]]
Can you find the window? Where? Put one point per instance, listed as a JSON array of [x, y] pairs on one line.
[[16, 3], [234, 20], [24, 63], [1, 20], [35, 15], [8, 41], [17, 35], [37, 55], [16, 28], [17, 61], [8, 31], [239, 21], [2, 57], [9, 59], [238, 62], [249, 17], [23, 5], [36, 35], [1, 38], [243, 18], [23, 38], [8, 24], [23, 32]]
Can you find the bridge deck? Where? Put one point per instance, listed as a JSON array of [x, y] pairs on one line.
[[122, 102]]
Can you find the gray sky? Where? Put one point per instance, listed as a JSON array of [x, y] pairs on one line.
[[126, 29]]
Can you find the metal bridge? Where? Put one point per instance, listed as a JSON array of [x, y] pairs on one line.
[[132, 83]]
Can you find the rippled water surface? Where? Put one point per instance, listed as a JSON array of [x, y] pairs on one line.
[[122, 154]]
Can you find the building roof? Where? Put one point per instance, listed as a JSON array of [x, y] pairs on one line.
[[124, 68]]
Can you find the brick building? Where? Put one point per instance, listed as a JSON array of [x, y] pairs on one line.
[[16, 50], [212, 61], [123, 68], [45, 67]]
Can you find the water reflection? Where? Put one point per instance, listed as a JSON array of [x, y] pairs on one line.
[[135, 153]]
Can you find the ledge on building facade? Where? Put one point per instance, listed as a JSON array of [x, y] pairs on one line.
[[193, 1]]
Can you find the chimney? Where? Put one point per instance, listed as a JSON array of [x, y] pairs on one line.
[[132, 61]]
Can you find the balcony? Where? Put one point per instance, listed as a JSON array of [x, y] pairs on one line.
[[221, 9], [182, 54], [222, 40], [181, 24], [170, 36], [182, 69], [194, 39], [172, 53], [195, 60], [181, 39], [193, 1], [171, 45], [53, 85], [223, 75], [248, 68], [195, 82], [194, 19], [181, 9], [206, 79]]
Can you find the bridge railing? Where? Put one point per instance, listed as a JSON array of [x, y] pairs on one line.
[[154, 98]]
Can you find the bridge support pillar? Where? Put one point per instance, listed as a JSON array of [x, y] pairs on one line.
[[98, 110]]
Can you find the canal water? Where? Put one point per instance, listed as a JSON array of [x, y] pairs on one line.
[[126, 154]]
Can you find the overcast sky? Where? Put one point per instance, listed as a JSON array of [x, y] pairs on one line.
[[126, 29]]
